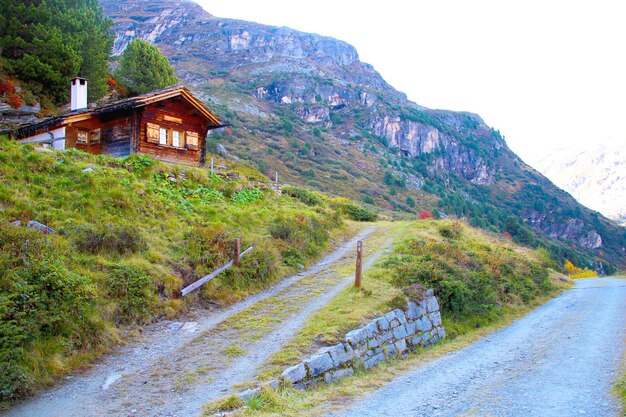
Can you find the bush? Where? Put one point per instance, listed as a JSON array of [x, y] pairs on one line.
[[470, 278], [114, 240], [207, 248], [452, 230], [133, 291], [307, 197], [40, 302], [425, 214], [304, 237], [361, 214]]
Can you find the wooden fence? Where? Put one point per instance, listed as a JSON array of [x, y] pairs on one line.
[[215, 273]]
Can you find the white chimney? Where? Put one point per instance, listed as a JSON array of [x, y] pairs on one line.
[[78, 94]]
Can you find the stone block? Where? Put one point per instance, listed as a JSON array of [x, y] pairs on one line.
[[249, 393], [40, 227], [383, 323], [391, 350], [424, 324], [414, 310], [400, 315], [400, 332], [411, 328], [380, 340], [401, 346], [343, 353], [416, 341], [318, 364], [431, 304], [442, 332], [294, 374], [355, 337], [374, 360], [374, 343], [371, 329], [393, 320], [332, 376], [429, 292], [272, 384], [435, 318]]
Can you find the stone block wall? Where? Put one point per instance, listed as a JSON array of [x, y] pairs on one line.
[[395, 333]]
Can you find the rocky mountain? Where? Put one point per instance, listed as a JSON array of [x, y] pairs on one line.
[[305, 106], [594, 175]]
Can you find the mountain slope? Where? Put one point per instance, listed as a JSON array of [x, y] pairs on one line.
[[594, 175], [305, 105]]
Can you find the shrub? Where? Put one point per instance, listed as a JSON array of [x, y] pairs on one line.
[[452, 230], [305, 237], [207, 248], [117, 240], [41, 301], [361, 214], [133, 291], [470, 278], [425, 214], [307, 197]]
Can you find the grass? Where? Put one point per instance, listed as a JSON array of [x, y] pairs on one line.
[[327, 398], [130, 234], [353, 307]]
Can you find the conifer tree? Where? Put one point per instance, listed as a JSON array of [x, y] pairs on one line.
[[144, 68], [45, 43]]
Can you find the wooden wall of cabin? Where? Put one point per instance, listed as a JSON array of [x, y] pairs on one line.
[[174, 113], [115, 134]]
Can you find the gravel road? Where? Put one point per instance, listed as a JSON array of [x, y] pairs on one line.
[[178, 366], [561, 361]]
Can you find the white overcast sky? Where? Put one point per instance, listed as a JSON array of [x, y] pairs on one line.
[[547, 74]]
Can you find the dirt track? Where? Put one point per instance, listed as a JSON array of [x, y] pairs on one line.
[[559, 361], [178, 366]]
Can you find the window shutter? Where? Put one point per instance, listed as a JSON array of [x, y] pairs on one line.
[[94, 136], [192, 140], [152, 133]]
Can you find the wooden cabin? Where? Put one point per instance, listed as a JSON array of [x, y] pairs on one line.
[[168, 124]]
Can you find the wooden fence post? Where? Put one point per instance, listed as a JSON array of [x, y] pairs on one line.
[[236, 254], [359, 268]]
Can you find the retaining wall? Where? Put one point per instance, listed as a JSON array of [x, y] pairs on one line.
[[399, 331]]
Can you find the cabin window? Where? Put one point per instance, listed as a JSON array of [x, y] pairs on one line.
[[178, 138], [162, 136], [82, 136], [153, 133], [87, 137], [192, 140]]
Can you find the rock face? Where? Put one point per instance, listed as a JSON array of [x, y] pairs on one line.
[[594, 175], [321, 116]]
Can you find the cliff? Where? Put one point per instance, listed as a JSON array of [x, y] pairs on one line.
[[306, 106]]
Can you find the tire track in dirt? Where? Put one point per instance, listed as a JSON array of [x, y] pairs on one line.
[[180, 366]]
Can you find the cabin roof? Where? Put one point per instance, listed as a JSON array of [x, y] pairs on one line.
[[124, 104]]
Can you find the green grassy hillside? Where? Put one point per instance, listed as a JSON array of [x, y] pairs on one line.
[[130, 233]]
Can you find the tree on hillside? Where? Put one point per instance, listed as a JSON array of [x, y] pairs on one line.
[[144, 68], [45, 43]]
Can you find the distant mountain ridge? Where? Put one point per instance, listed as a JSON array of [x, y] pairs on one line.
[[594, 175], [306, 106]]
